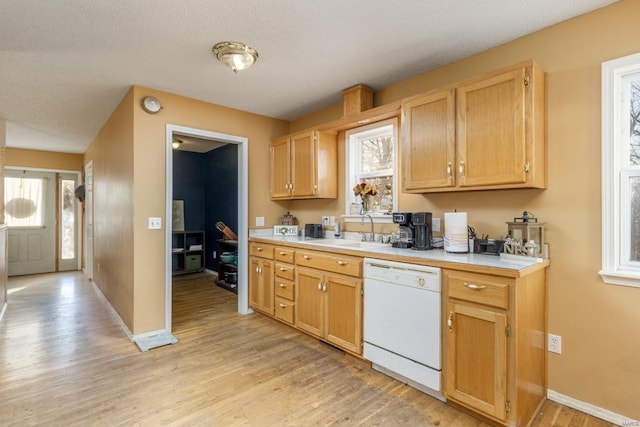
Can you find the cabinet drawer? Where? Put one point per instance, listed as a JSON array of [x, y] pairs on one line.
[[350, 266], [479, 288], [284, 254], [284, 270], [261, 250], [285, 310], [285, 289]]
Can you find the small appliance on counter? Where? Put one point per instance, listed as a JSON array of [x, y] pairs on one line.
[[403, 237], [422, 232], [313, 231]]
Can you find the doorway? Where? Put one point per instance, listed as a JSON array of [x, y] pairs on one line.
[[43, 217], [174, 131]]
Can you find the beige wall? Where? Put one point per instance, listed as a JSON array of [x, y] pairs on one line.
[[599, 324], [40, 159], [113, 262], [129, 169]]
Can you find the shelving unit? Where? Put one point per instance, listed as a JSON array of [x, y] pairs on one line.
[[187, 252], [226, 246]]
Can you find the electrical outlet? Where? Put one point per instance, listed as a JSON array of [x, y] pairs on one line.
[[215, 255], [435, 224], [555, 343], [325, 220], [155, 223], [259, 221]]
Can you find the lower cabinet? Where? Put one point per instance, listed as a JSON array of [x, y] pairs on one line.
[[285, 287], [494, 344], [261, 295], [477, 359], [329, 306]]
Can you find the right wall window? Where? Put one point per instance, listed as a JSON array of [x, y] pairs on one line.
[[621, 171]]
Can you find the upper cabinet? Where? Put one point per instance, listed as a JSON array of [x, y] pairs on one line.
[[484, 133], [304, 166]]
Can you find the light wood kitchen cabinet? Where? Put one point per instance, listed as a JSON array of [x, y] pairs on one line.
[[261, 278], [284, 288], [494, 343], [304, 165], [329, 305], [429, 146], [495, 140]]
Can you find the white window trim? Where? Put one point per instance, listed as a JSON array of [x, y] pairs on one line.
[[613, 269], [379, 218]]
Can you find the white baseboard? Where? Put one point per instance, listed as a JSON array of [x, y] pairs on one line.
[[119, 320], [112, 310], [590, 409], [2, 311]]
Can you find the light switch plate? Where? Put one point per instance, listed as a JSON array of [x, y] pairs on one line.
[[259, 221], [155, 223], [435, 224]]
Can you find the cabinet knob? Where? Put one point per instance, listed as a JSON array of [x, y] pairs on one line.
[[306, 257], [282, 285], [283, 253], [259, 249], [461, 167], [342, 262], [283, 305], [324, 287], [450, 321], [283, 269]]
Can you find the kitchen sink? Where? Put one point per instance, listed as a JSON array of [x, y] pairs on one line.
[[347, 243]]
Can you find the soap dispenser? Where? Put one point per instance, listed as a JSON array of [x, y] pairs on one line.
[[336, 229]]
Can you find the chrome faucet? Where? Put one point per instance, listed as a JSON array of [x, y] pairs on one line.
[[372, 236]]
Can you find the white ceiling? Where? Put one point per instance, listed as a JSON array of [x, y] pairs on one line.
[[66, 64]]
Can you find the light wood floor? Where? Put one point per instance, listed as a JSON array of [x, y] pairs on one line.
[[64, 361]]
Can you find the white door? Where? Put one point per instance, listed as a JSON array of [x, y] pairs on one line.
[[68, 222], [30, 214]]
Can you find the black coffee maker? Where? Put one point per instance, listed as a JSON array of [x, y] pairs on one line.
[[403, 238], [422, 232]]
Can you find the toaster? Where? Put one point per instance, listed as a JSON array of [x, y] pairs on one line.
[[313, 230]]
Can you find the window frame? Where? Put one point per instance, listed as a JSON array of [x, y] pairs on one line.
[[349, 159], [616, 270]]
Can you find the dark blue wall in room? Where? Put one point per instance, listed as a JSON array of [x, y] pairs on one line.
[[208, 184], [187, 186]]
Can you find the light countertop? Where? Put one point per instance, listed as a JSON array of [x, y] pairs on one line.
[[435, 257]]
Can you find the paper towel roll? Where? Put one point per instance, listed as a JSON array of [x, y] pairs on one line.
[[456, 236]]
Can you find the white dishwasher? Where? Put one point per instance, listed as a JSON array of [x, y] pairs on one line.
[[402, 306]]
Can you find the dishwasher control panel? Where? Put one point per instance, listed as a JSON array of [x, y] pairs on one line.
[[419, 276]]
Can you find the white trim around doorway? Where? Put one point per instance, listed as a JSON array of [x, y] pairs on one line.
[[243, 211]]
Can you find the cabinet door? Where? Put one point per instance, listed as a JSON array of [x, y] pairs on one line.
[[261, 295], [476, 361], [310, 302], [304, 156], [428, 144], [491, 130], [280, 168], [344, 312], [254, 283]]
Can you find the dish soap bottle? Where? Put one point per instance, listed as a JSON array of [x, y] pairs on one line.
[[336, 230]]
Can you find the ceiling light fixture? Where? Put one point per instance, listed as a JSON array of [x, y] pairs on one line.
[[176, 143], [235, 55]]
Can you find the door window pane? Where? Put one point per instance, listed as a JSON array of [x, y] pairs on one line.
[[23, 201], [68, 228]]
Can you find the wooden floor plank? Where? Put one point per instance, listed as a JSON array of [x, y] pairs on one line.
[[65, 362]]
